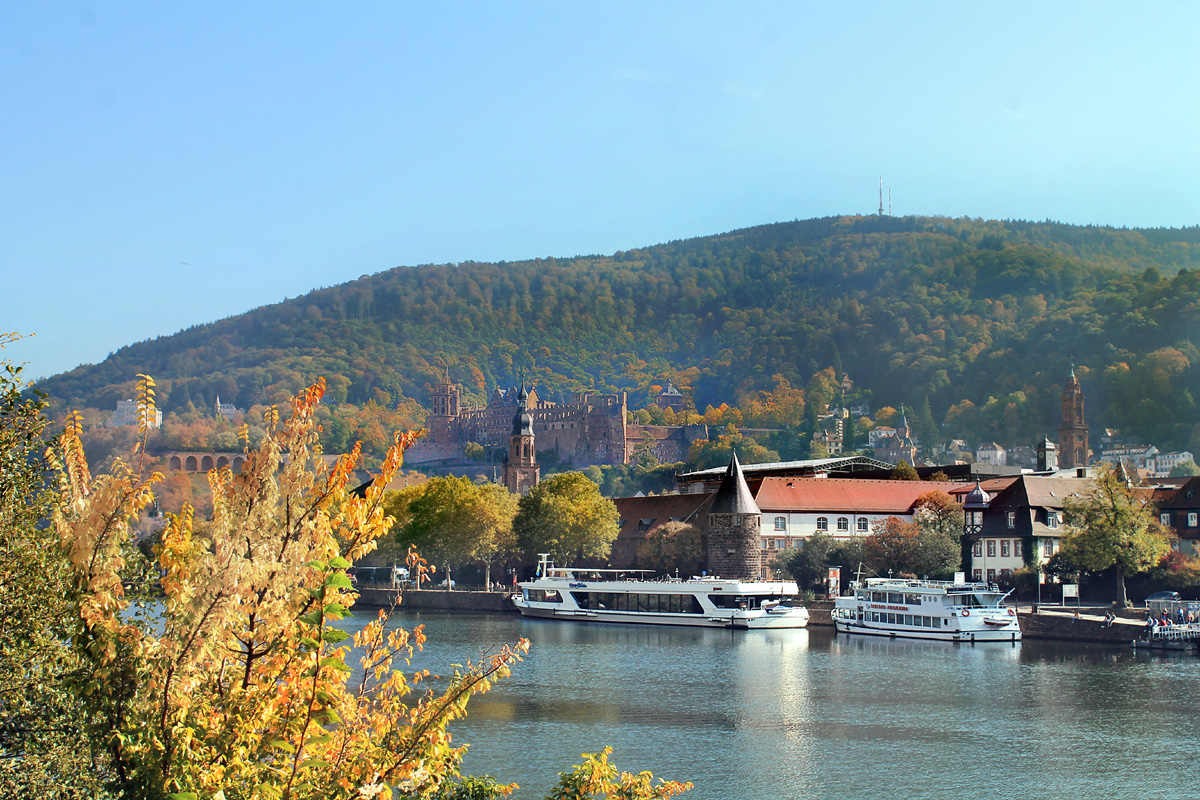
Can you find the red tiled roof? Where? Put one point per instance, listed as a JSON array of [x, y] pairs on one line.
[[845, 494]]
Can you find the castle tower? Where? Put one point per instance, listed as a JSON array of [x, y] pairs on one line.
[[444, 399], [734, 528], [1073, 433], [521, 472]]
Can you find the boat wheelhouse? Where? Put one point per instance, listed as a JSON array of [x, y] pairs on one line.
[[944, 610], [605, 595]]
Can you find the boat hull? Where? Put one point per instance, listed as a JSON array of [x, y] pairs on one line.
[[1010, 633], [796, 618]]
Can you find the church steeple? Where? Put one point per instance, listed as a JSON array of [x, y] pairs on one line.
[[1073, 433], [521, 472]]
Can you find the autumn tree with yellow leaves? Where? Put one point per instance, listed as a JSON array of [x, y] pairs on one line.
[[238, 685]]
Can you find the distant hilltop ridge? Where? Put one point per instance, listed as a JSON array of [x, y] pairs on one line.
[[973, 321]]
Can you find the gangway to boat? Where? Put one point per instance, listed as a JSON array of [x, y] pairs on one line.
[[1171, 637]]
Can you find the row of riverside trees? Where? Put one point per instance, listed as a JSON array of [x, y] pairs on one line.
[[218, 670], [455, 521]]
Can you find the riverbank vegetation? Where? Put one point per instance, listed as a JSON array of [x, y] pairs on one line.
[[235, 681]]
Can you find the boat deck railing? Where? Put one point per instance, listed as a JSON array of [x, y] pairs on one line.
[[1174, 633]]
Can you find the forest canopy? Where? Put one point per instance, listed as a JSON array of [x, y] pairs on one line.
[[976, 321]]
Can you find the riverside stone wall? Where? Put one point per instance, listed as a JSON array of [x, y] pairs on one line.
[[438, 600]]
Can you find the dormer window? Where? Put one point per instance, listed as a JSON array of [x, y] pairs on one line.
[[1012, 519]]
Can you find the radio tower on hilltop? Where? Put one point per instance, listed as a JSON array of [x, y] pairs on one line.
[[881, 195]]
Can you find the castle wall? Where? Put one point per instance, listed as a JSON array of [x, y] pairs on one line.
[[590, 429]]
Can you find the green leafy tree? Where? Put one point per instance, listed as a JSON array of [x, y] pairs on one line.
[[567, 517], [905, 472], [43, 752], [453, 520], [939, 520], [892, 547], [675, 547], [809, 563], [1185, 469], [929, 546], [1111, 528]]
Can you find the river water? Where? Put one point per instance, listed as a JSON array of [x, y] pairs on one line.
[[807, 714]]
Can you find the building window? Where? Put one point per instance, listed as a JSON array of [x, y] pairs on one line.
[[1012, 519], [1004, 548], [822, 523], [862, 524], [781, 523], [978, 550], [1048, 548], [781, 544], [1191, 519], [991, 548], [1164, 518], [991, 575], [844, 523], [977, 575], [1051, 519], [1017, 548], [644, 524]]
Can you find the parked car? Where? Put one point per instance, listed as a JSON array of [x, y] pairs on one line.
[[1163, 596]]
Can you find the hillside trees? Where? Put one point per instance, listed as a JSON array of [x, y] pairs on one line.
[[948, 311]]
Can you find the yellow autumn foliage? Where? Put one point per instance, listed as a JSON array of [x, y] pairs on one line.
[[239, 687]]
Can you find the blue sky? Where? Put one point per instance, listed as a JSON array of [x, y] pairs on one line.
[[168, 164]]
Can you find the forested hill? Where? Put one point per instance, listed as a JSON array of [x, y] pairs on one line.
[[939, 314]]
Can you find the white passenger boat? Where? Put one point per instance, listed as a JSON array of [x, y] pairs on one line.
[[607, 595], [949, 611]]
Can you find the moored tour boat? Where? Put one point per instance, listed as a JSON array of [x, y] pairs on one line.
[[944, 610], [602, 595]]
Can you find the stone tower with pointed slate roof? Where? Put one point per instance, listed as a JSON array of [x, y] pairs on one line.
[[521, 472], [734, 528]]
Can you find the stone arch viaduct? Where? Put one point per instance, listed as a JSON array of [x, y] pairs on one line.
[[180, 461]]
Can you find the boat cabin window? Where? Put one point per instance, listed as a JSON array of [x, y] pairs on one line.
[[912, 599], [741, 601], [645, 603], [543, 595]]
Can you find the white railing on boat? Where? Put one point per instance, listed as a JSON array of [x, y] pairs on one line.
[[1169, 633]]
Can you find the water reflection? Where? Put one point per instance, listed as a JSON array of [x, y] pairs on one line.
[[805, 714]]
